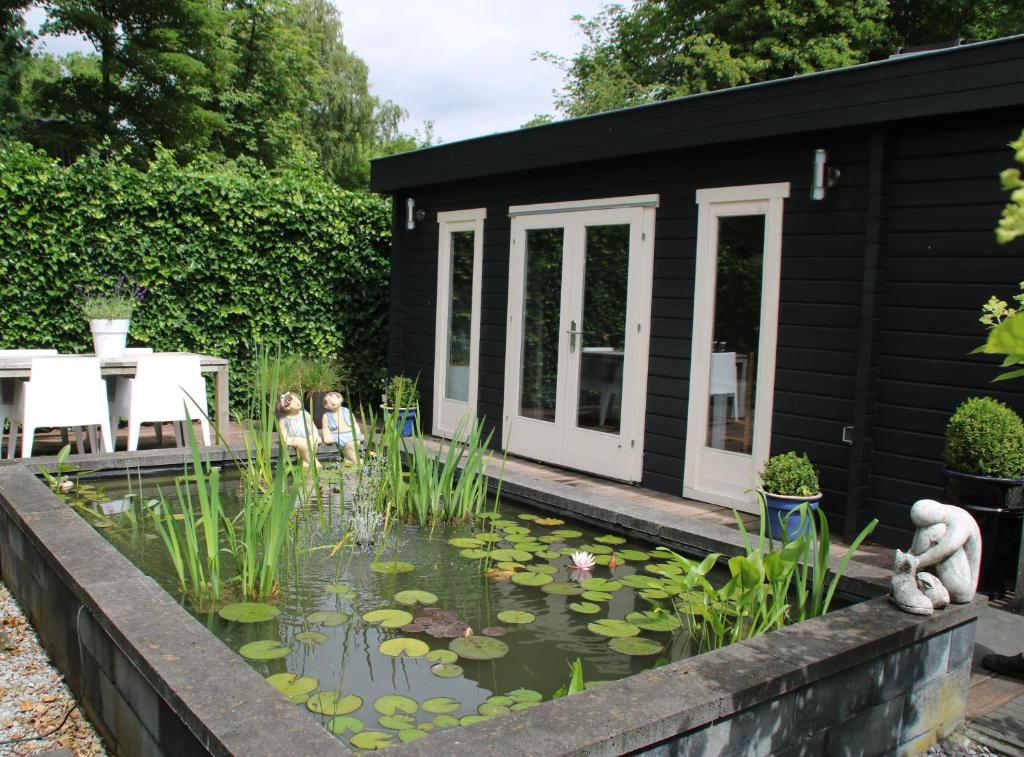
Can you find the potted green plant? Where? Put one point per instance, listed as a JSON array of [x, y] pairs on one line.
[[311, 377], [984, 470], [401, 397], [787, 481], [109, 313]]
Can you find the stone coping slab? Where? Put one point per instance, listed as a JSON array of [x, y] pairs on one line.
[[225, 703]]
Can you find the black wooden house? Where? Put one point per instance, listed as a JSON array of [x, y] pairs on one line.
[[667, 294]]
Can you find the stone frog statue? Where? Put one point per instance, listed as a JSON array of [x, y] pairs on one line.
[[339, 427], [297, 428], [948, 542]]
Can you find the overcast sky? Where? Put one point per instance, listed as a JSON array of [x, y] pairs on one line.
[[466, 65]]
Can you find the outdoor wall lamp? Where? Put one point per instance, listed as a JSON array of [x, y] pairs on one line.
[[824, 175], [413, 214]]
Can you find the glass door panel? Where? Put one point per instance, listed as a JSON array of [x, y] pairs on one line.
[[542, 307], [460, 316], [602, 339], [735, 333]]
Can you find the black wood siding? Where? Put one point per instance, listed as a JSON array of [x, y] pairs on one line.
[[941, 262], [822, 271]]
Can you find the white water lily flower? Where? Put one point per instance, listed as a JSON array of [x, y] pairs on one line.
[[583, 561]]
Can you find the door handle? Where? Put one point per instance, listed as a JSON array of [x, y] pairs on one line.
[[572, 332]]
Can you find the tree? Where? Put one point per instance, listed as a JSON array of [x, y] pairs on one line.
[[15, 55], [659, 49]]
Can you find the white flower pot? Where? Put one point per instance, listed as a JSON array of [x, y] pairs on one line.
[[109, 336]]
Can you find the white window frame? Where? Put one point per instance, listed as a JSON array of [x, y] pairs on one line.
[[698, 481], [448, 413]]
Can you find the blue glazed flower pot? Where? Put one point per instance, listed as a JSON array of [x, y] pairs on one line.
[[783, 510], [407, 416]]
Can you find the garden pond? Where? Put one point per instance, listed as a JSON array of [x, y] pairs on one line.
[[429, 628]]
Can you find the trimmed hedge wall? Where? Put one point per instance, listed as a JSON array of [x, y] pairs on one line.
[[230, 258]]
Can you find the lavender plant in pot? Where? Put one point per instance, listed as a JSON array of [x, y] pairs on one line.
[[786, 482], [109, 312]]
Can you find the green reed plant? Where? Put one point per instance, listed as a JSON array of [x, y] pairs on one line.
[[769, 586]]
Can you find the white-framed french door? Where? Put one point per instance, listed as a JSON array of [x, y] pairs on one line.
[[578, 332], [457, 322], [735, 329]]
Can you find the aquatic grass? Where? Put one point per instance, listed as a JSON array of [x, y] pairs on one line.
[[769, 586]]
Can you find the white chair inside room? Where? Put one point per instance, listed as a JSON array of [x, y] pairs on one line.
[[63, 392], [723, 378], [8, 387], [164, 387]]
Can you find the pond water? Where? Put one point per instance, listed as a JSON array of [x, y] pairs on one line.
[[536, 615]]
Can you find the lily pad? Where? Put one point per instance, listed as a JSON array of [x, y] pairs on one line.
[[548, 570], [516, 538], [442, 655], [470, 719], [567, 533], [488, 537], [371, 740], [402, 645], [311, 637], [525, 695], [523, 706], [587, 608], [479, 648], [531, 579], [334, 703], [390, 704], [465, 542], [550, 539], [503, 523], [446, 670], [296, 688], [488, 516], [515, 529], [265, 649], [595, 549], [527, 516], [249, 612], [494, 631], [636, 646], [388, 618], [614, 628], [410, 734], [328, 618], [511, 555], [444, 721], [489, 710], [343, 724], [632, 555], [395, 566], [474, 554], [600, 584], [596, 596], [654, 594], [564, 589], [440, 705], [610, 539], [534, 547], [654, 621], [664, 569], [547, 554], [397, 722], [502, 700], [509, 565], [516, 617], [343, 590], [640, 582], [415, 597], [549, 521]]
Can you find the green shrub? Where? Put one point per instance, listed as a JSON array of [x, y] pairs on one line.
[[985, 437], [789, 475], [231, 259], [401, 391]]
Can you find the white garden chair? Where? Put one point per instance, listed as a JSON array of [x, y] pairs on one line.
[[8, 390], [163, 388], [65, 391]]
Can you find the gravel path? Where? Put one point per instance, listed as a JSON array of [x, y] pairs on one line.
[[33, 697]]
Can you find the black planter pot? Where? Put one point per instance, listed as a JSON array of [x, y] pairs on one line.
[[997, 504]]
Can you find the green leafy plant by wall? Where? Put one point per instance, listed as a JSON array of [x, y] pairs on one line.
[[985, 437], [231, 258], [789, 475]]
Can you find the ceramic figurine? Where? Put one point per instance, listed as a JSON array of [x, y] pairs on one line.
[[339, 427], [297, 428], [948, 542]]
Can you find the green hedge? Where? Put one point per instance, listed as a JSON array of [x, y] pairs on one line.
[[230, 258]]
